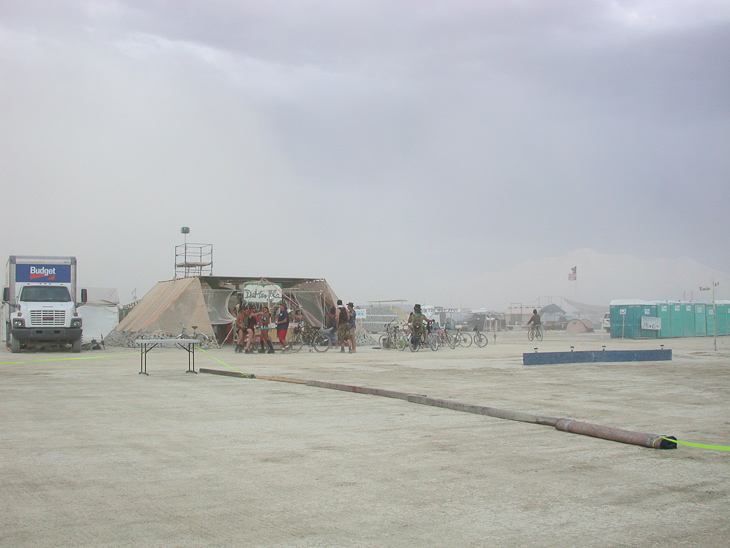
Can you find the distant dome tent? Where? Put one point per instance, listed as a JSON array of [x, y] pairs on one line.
[[579, 326]]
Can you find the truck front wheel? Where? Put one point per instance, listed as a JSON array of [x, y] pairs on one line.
[[76, 346], [14, 344]]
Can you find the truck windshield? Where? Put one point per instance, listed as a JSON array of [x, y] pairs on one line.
[[45, 294]]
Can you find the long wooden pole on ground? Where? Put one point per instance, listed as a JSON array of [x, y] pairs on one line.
[[652, 441]]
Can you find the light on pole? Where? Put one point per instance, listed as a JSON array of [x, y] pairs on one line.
[[185, 230], [714, 311]]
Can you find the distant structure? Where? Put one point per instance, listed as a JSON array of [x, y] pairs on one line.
[[193, 260]]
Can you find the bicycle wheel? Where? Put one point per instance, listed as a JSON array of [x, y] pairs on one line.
[[321, 342], [295, 344], [414, 343], [401, 342], [384, 342], [433, 342], [481, 340], [451, 340], [465, 340], [538, 334], [202, 338], [530, 334]]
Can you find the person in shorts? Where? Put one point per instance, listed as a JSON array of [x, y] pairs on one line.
[[250, 328], [282, 326]]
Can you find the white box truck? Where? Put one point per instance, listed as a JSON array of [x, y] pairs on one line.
[[39, 303]]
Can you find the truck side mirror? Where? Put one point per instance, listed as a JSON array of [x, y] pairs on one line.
[[6, 294], [84, 295]]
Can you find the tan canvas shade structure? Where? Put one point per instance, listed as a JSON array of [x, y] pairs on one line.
[[311, 295], [206, 302], [170, 306]]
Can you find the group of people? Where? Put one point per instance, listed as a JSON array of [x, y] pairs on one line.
[[248, 319], [341, 319]]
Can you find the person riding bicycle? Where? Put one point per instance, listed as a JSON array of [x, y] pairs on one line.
[[534, 320], [418, 322]]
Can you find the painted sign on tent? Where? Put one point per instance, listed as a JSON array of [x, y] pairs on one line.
[[262, 292]]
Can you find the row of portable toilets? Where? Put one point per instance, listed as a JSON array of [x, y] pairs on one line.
[[653, 320]]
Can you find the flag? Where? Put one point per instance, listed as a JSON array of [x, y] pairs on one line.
[[573, 276]]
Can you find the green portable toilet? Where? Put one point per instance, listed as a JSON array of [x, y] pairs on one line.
[[677, 320], [647, 320], [709, 320], [722, 317], [663, 311], [700, 314], [631, 319], [688, 320], [617, 313], [622, 320]]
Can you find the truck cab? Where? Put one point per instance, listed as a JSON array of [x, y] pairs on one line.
[[39, 305], [606, 322]]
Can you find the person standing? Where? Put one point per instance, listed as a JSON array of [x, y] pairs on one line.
[[330, 324], [343, 325], [264, 321], [250, 328], [353, 325], [282, 326], [240, 327]]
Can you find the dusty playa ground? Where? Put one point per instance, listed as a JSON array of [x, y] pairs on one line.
[[94, 454]]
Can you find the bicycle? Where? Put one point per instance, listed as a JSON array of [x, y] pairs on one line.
[[444, 338], [460, 338], [202, 338], [480, 339], [316, 338], [534, 332], [393, 338], [416, 341]]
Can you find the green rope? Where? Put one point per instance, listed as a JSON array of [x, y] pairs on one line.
[[700, 445], [246, 376], [68, 359]]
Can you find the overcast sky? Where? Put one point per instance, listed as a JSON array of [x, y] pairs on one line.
[[395, 148]]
